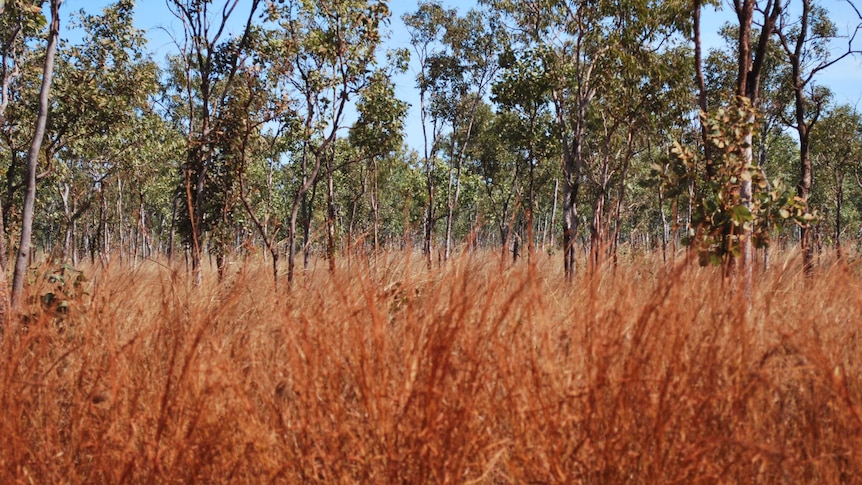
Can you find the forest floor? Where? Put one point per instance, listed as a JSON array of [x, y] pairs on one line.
[[469, 373]]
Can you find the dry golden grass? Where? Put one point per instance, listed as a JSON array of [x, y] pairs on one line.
[[466, 374]]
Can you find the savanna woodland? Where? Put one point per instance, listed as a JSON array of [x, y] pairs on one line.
[[532, 241]]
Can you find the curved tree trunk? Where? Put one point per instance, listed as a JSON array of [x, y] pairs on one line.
[[24, 246]]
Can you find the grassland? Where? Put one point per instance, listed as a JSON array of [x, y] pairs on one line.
[[471, 373]]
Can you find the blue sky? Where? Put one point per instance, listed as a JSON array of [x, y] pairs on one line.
[[845, 78]]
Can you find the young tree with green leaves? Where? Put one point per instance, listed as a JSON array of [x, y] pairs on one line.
[[725, 212]]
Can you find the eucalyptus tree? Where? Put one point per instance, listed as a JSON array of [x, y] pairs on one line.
[[769, 135], [806, 40], [836, 152], [21, 21], [642, 109], [726, 209], [457, 58], [466, 72], [645, 103], [523, 93], [568, 39], [323, 55], [243, 146], [204, 75], [27, 211], [579, 46], [750, 62], [378, 133], [499, 167], [104, 87], [426, 27]]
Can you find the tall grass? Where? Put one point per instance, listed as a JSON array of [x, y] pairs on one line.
[[470, 373]]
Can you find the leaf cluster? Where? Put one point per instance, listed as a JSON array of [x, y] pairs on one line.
[[722, 219]]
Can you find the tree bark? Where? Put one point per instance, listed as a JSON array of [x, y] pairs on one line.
[[24, 247], [300, 200], [570, 214], [330, 211], [803, 128], [750, 68], [375, 207], [701, 85], [839, 203], [4, 281]]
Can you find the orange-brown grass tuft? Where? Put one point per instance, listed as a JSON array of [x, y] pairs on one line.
[[470, 373]]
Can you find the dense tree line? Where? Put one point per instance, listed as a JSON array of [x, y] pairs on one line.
[[585, 128]]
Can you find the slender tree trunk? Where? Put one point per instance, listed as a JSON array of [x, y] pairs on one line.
[[146, 235], [67, 214], [701, 83], [172, 231], [453, 182], [504, 232], [103, 226], [33, 159], [745, 88], [459, 162], [429, 216], [745, 198], [306, 225], [571, 186], [4, 281], [516, 246], [570, 225], [330, 213], [554, 213], [597, 229], [618, 207], [803, 129], [750, 67], [291, 250], [573, 164], [74, 247], [447, 248], [300, 201], [839, 203], [531, 195], [664, 227], [803, 190], [429, 147], [375, 207], [121, 229]]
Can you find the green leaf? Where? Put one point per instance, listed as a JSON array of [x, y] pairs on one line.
[[741, 214]]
